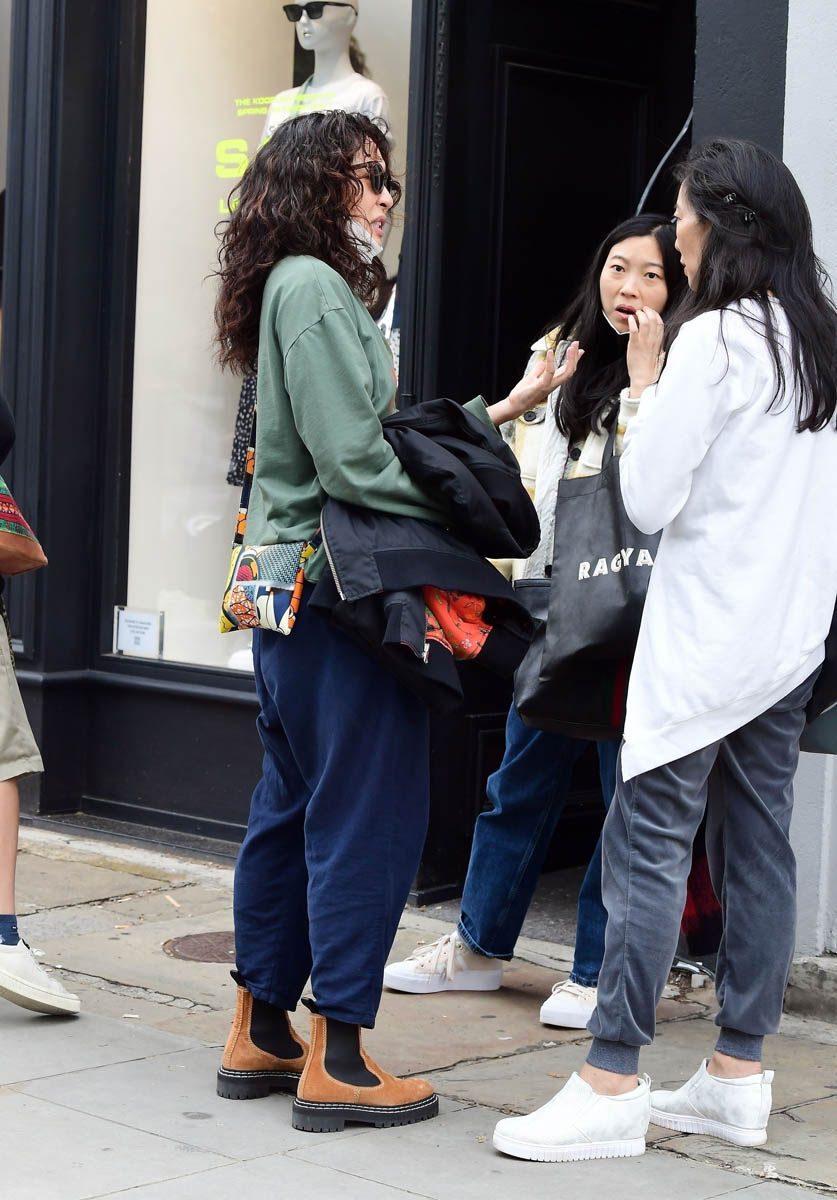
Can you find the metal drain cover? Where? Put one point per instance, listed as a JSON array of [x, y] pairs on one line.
[[203, 947]]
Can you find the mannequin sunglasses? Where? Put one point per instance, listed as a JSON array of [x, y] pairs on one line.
[[377, 174], [313, 10]]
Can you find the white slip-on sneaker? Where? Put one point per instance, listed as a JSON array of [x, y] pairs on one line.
[[571, 1005], [735, 1110], [446, 965], [24, 982], [578, 1123]]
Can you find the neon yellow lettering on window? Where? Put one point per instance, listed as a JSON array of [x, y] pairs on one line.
[[231, 158]]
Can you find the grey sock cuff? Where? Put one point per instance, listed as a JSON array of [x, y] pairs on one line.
[[618, 1057], [740, 1045]]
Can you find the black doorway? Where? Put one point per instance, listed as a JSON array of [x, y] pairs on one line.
[[548, 120], [536, 130]]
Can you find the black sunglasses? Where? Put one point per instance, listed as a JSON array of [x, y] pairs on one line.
[[314, 10], [377, 174]]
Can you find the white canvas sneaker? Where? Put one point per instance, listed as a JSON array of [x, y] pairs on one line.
[[578, 1123], [446, 965], [24, 981], [735, 1110], [570, 1005]]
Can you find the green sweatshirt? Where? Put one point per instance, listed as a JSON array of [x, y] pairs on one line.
[[325, 383]]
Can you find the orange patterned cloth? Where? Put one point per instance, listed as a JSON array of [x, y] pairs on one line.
[[455, 620]]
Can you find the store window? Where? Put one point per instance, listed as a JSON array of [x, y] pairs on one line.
[[213, 74]]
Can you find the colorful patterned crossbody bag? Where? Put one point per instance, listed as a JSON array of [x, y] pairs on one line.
[[264, 583]]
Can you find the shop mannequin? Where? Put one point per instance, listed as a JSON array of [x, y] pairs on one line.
[[335, 83]]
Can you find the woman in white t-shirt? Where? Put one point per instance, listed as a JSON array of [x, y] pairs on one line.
[[733, 455]]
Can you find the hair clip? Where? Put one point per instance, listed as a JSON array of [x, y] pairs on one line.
[[748, 215], [730, 198]]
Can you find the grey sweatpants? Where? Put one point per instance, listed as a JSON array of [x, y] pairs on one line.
[[646, 857]]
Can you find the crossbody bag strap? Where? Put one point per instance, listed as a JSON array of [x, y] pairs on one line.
[[247, 486]]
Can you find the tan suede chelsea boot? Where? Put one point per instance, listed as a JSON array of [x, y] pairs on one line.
[[263, 1053], [341, 1083]]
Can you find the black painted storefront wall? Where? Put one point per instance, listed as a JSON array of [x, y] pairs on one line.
[[143, 741], [740, 77]]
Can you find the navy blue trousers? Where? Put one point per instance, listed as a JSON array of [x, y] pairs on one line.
[[337, 821]]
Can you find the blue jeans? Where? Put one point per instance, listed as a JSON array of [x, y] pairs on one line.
[[527, 797], [337, 821]]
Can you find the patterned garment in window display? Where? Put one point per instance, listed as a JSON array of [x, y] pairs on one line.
[[243, 426]]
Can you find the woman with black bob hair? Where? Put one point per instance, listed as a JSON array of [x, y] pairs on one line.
[[338, 819], [734, 457], [634, 273]]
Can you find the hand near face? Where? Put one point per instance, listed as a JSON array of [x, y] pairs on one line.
[[645, 349]]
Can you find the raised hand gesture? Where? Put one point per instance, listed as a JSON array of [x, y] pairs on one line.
[[535, 386]]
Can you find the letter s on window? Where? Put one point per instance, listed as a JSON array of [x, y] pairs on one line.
[[231, 158]]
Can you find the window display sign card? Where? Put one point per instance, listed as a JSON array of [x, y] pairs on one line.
[[136, 632]]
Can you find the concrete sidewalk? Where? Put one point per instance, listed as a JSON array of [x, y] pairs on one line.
[[121, 1101]]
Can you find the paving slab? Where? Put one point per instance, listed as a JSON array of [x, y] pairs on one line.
[[169, 904], [173, 1095], [425, 1032], [149, 861], [801, 1146], [778, 1191], [99, 999], [40, 885], [135, 956], [48, 924], [805, 1071], [37, 1047], [451, 1158], [142, 1054], [211, 1028], [267, 1179], [54, 1153], [809, 1028], [420, 1033]]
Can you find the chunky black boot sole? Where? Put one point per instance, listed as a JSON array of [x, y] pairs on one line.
[[315, 1116], [253, 1085]]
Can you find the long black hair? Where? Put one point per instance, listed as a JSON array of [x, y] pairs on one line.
[[759, 242], [587, 398]]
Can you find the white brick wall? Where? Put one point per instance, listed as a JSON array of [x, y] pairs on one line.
[[810, 150]]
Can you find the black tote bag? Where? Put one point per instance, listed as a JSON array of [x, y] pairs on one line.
[[573, 679]]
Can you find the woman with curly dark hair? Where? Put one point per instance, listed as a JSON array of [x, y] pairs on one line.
[[339, 816]]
